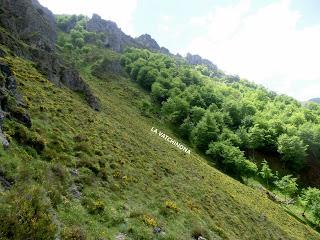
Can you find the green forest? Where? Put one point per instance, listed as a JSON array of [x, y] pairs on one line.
[[224, 119]]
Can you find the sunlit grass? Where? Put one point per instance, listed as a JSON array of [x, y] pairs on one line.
[[129, 180]]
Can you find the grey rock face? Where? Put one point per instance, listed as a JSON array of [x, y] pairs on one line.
[[157, 230], [197, 60], [106, 67], [116, 39], [147, 41], [28, 21], [74, 191], [71, 78], [232, 78], [70, 24], [8, 89], [121, 236], [3, 141], [165, 51], [4, 182]]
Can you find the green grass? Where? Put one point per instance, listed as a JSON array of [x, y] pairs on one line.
[[126, 174]]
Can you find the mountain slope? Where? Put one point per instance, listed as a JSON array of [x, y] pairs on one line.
[[72, 172], [115, 176]]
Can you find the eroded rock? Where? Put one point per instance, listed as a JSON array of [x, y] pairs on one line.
[[197, 60], [34, 24], [148, 41], [115, 39]]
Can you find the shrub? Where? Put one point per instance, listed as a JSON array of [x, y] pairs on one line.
[[293, 150], [198, 232], [73, 233], [149, 221], [310, 199], [146, 108], [287, 185], [94, 206], [266, 173], [25, 136], [27, 214], [83, 147], [171, 205], [207, 130]]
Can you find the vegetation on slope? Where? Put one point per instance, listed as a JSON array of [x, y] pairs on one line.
[[221, 118], [104, 173], [81, 174]]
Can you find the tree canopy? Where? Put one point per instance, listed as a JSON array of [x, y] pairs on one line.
[[223, 117]]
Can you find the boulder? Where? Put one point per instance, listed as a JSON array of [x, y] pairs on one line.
[[157, 230], [5, 182], [3, 140], [74, 191]]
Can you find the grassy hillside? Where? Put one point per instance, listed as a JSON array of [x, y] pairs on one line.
[[105, 174]]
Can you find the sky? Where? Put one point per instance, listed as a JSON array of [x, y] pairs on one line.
[[275, 43]]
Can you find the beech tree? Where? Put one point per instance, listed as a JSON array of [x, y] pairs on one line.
[[175, 109], [293, 150], [287, 185], [207, 130], [232, 159], [310, 199], [266, 172]]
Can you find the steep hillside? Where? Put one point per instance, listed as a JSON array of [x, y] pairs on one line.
[[101, 174], [79, 159]]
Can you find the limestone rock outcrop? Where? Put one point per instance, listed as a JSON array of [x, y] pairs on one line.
[[197, 60], [116, 39], [30, 32]]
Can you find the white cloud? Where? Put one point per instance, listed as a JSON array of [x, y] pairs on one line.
[[264, 46], [119, 11], [164, 23]]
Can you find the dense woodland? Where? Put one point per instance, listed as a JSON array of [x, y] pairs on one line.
[[224, 119]]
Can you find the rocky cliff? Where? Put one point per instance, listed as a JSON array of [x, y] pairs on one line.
[[30, 22], [11, 102], [197, 60], [148, 42], [116, 39], [29, 30]]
